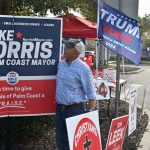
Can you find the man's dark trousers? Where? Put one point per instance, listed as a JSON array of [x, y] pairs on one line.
[[61, 130]]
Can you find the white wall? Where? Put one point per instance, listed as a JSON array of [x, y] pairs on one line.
[[129, 7]]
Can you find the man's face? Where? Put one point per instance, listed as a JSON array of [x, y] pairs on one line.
[[70, 53]]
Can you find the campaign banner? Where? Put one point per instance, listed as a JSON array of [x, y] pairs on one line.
[[116, 133], [84, 132], [119, 32], [132, 110], [29, 54], [102, 89]]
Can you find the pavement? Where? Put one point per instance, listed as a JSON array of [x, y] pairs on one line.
[[145, 142], [142, 62]]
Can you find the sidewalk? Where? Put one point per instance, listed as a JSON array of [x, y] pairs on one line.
[[142, 62], [145, 142], [145, 62]]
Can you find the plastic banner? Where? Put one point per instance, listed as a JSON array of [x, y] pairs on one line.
[[29, 54]]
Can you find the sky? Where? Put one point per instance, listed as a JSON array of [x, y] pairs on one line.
[[144, 7]]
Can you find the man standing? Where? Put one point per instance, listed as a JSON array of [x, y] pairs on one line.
[[74, 89]]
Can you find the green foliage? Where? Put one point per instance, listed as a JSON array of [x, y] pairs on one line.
[[147, 42], [145, 30], [145, 24], [90, 45], [88, 8], [41, 7], [33, 126], [25, 127]]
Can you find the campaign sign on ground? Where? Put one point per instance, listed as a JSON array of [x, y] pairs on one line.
[[145, 98], [102, 89], [84, 132], [29, 54], [119, 32], [116, 133], [132, 110], [109, 74]]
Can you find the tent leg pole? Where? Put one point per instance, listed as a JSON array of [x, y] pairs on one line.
[[96, 54]]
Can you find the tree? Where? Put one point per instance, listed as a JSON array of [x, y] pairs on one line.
[[145, 30], [88, 8], [4, 7], [145, 23], [41, 7]]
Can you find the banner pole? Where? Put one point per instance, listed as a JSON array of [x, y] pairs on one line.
[[117, 87], [123, 68], [96, 55], [117, 96], [107, 58], [96, 51]]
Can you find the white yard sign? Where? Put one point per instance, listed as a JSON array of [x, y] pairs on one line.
[[84, 131], [132, 110], [102, 89]]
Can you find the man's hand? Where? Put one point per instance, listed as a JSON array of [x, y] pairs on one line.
[[91, 104]]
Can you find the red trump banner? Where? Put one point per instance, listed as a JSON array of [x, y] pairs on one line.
[[29, 54], [116, 133]]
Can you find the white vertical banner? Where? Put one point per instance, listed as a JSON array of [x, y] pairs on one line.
[[145, 99], [132, 110]]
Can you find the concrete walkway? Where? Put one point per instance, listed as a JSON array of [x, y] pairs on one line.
[[145, 142]]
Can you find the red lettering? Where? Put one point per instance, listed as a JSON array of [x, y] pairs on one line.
[[116, 34], [128, 40], [116, 136]]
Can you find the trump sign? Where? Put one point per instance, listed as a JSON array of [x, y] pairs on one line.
[[119, 33], [29, 54]]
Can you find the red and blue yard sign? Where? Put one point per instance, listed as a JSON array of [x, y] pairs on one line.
[[29, 54]]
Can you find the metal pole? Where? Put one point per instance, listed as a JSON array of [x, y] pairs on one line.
[[107, 58], [117, 81], [96, 54], [124, 87], [117, 87], [123, 67]]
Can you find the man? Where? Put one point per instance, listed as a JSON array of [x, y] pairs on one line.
[[74, 88]]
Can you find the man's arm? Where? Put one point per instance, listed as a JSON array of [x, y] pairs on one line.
[[88, 86], [91, 105]]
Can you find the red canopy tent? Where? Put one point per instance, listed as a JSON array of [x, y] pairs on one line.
[[76, 27]]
